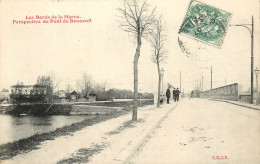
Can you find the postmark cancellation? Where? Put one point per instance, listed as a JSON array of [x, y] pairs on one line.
[[205, 23]]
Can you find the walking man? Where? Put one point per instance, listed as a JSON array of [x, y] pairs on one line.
[[168, 95], [177, 94]]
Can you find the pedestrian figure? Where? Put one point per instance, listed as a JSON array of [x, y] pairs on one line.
[[161, 99], [177, 94], [173, 94], [192, 94], [168, 95]]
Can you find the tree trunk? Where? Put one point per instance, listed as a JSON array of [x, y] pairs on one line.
[[159, 85], [135, 106]]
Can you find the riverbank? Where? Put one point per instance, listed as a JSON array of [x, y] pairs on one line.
[[10, 150], [26, 145], [69, 108]]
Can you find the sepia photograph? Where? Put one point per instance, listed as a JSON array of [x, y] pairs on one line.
[[129, 81]]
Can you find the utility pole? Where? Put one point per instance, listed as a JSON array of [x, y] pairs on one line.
[[77, 86], [162, 85], [77, 90], [68, 88], [211, 78], [202, 84], [252, 62], [162, 73], [252, 53]]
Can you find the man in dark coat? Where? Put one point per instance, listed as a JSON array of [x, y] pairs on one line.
[[174, 94], [168, 95], [177, 94]]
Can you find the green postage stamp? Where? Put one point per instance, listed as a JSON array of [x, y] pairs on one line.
[[205, 23]]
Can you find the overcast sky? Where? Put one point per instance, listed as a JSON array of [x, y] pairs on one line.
[[104, 51]]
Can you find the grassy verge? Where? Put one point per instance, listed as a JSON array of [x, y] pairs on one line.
[[83, 155]]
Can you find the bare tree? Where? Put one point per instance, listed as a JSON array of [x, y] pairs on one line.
[[158, 38], [137, 19], [55, 80], [104, 84], [68, 89], [51, 81], [85, 84], [99, 87]]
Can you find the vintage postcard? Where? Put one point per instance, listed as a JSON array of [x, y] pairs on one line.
[[129, 81]]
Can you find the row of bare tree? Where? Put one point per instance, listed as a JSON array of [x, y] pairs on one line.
[[86, 85], [139, 18]]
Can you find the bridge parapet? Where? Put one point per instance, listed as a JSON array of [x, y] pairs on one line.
[[228, 92]]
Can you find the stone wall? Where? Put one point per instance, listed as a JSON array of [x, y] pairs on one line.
[[228, 92], [245, 98]]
